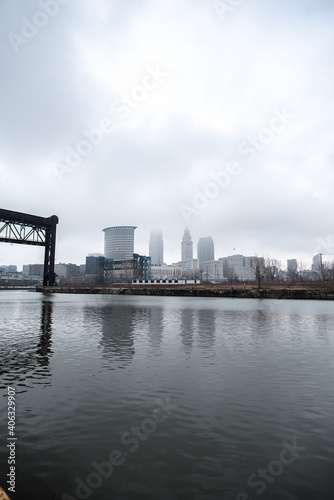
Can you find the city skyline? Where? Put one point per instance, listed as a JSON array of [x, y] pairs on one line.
[[225, 131], [23, 254], [129, 247]]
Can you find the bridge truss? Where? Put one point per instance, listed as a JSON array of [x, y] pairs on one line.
[[26, 229]]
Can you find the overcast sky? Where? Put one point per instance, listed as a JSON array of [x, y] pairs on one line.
[[167, 113]]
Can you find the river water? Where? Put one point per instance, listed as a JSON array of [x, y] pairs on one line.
[[167, 398]]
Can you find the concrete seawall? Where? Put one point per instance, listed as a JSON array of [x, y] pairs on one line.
[[311, 293]]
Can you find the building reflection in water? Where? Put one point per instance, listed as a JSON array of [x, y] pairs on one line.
[[155, 327], [23, 363], [44, 346], [206, 326], [187, 327], [117, 340]]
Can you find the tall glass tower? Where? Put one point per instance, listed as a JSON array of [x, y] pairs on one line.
[[205, 249], [156, 251]]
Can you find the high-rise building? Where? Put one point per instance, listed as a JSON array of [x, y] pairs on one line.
[[156, 251], [292, 265], [205, 249], [240, 267], [119, 242], [11, 269], [186, 246], [317, 264], [36, 269]]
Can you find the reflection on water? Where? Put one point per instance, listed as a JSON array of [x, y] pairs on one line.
[[117, 339], [206, 327], [44, 346], [155, 326], [25, 348], [243, 376], [187, 329]]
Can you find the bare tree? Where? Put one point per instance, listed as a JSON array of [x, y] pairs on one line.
[[302, 275], [128, 271], [331, 270], [293, 274], [231, 275], [325, 271], [298, 273], [196, 274], [259, 270], [272, 269]]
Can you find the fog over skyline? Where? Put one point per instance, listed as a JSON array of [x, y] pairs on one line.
[[208, 114]]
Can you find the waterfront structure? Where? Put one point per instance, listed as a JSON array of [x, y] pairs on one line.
[[13, 278], [119, 242], [205, 249], [164, 281], [19, 227], [186, 246], [156, 248], [100, 270]]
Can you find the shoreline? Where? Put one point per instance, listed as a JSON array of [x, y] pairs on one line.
[[277, 291]]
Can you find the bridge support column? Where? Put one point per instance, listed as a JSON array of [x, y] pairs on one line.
[[49, 256]]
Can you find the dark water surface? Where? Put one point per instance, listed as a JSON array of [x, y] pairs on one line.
[[190, 398]]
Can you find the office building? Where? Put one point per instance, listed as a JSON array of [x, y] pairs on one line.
[[186, 246], [191, 268], [119, 242], [317, 262], [166, 271], [11, 269], [36, 269], [156, 248], [63, 270], [205, 249], [240, 267], [292, 265]]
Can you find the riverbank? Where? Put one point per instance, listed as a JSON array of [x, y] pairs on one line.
[[300, 291]]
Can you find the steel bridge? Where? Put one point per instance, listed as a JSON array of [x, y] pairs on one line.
[[17, 227]]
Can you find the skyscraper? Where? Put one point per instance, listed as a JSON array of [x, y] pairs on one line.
[[186, 246], [156, 251], [317, 264], [205, 249], [119, 242], [292, 265]]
